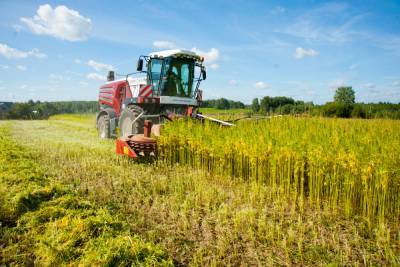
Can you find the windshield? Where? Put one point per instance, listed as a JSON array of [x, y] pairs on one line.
[[155, 73], [178, 76]]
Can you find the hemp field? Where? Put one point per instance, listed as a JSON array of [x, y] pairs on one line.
[[287, 191]]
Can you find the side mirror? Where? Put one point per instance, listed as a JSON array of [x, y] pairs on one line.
[[203, 74], [110, 76], [139, 65]]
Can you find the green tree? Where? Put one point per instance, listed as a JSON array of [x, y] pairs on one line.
[[358, 112], [286, 109], [271, 104], [255, 105], [222, 103], [21, 111], [337, 109], [265, 104], [345, 95]]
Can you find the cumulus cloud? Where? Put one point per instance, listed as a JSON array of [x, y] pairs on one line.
[[21, 67], [301, 53], [96, 77], [13, 53], [233, 82], [60, 22], [164, 45], [210, 56], [261, 85], [98, 66]]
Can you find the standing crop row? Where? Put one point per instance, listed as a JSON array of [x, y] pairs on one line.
[[350, 166]]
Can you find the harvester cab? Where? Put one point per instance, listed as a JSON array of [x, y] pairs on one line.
[[172, 73], [165, 87]]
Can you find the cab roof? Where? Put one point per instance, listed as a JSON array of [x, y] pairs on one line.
[[175, 53]]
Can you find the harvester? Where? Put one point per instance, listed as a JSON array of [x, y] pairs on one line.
[[138, 104]]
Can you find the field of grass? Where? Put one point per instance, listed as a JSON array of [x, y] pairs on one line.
[[287, 191]]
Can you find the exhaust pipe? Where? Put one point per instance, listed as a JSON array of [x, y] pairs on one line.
[[147, 128]]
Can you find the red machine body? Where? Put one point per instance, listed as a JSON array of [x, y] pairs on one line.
[[114, 94]]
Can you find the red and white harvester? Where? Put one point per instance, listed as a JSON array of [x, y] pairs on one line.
[[141, 102]]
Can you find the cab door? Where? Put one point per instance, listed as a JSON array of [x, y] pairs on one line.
[[120, 97]]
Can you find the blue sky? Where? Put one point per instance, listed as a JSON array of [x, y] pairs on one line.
[[61, 50]]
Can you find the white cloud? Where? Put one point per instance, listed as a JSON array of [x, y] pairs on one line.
[[23, 86], [96, 77], [233, 82], [21, 67], [210, 56], [396, 83], [12, 53], [77, 61], [261, 85], [301, 53], [60, 22], [98, 66], [164, 45], [83, 83], [214, 66], [3, 67]]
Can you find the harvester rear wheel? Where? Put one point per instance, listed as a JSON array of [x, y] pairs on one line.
[[130, 121], [104, 126]]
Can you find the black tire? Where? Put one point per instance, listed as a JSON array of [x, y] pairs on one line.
[[130, 122], [103, 125]]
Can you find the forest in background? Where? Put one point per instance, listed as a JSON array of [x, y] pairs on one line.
[[342, 106]]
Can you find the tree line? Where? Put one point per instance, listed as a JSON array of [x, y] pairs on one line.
[[280, 105], [42, 110], [344, 105], [222, 103]]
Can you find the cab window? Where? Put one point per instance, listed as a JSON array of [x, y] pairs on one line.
[[178, 77], [155, 72]]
